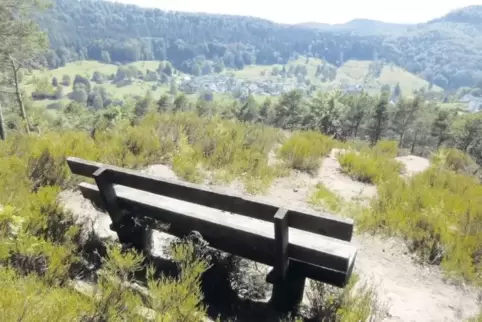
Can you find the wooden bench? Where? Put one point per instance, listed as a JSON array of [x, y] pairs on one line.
[[298, 245]]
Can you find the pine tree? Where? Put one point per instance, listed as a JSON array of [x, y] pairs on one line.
[[290, 110], [266, 112], [441, 127], [404, 116], [379, 120], [249, 111], [163, 104], [143, 106]]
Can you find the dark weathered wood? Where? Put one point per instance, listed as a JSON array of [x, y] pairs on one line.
[[288, 293], [281, 236], [108, 195], [324, 224], [234, 235]]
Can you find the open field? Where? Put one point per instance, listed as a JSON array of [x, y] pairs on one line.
[[350, 73]]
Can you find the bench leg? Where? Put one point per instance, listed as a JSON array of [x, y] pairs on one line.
[[288, 292]]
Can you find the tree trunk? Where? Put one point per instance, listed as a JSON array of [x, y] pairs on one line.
[[440, 139], [357, 126], [414, 142], [18, 94], [400, 139], [3, 133]]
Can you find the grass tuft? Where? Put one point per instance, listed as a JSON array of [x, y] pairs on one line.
[[369, 166], [304, 150]]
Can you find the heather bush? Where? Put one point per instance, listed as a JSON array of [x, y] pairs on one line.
[[304, 150], [326, 199], [455, 160], [39, 240], [439, 213], [369, 166], [386, 148], [357, 302]]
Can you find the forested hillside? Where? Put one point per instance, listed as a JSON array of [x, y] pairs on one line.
[[445, 51]]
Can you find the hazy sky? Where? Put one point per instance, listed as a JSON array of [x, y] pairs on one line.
[[328, 11]]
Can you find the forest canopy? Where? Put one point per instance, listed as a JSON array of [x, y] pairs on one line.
[[445, 51]]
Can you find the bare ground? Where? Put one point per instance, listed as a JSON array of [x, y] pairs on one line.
[[412, 291]]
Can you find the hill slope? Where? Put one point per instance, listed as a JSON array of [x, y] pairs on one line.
[[360, 26], [445, 51]]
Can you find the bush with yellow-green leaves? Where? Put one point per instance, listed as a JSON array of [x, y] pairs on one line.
[[39, 241], [304, 150], [327, 199], [370, 165], [439, 212]]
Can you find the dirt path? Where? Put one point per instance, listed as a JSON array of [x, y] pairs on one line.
[[413, 292]]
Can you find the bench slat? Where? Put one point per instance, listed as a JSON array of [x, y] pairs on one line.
[[324, 224], [249, 238]]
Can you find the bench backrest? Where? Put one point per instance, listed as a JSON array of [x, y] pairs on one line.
[[315, 222]]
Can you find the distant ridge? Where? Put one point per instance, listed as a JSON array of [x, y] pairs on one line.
[[362, 26]]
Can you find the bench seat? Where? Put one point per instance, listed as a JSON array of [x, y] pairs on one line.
[[319, 257]]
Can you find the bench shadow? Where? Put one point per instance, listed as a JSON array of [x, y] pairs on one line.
[[220, 299]]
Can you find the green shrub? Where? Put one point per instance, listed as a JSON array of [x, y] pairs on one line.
[[439, 212], [369, 167], [38, 239], [27, 298], [357, 145], [304, 150], [357, 302], [326, 199], [454, 160], [386, 148], [186, 162]]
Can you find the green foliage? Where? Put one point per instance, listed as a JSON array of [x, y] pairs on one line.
[[304, 150], [290, 110], [378, 120], [180, 297], [386, 148], [223, 147], [324, 114], [186, 163], [466, 129], [38, 243], [327, 199], [442, 221], [28, 298], [357, 302], [455, 160], [38, 239], [369, 166], [404, 116]]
